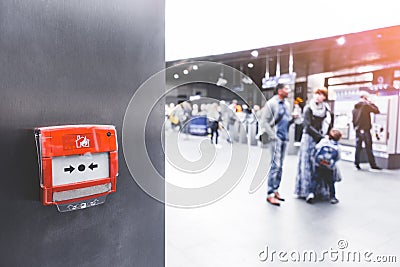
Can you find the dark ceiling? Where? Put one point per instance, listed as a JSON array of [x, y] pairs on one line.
[[380, 46]]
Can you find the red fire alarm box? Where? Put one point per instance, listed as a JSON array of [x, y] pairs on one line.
[[78, 165]]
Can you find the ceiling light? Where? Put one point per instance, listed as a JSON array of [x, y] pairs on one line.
[[247, 80], [194, 97], [341, 40], [185, 72], [254, 53], [250, 65], [221, 81], [195, 67], [176, 76]]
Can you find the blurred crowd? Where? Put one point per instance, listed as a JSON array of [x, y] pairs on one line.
[[225, 113]]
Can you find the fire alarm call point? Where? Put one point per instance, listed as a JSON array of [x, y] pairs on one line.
[[78, 165]]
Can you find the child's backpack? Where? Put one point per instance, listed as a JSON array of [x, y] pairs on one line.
[[326, 153]]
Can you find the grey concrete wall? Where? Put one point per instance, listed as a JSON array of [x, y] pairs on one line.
[[73, 62]]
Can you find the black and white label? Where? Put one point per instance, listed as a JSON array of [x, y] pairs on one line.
[[80, 168]]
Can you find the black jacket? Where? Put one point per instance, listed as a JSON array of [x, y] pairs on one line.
[[312, 125], [362, 115]]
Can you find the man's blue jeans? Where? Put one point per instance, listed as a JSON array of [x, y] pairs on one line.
[[278, 151]]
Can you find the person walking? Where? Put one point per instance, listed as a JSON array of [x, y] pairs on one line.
[[275, 121], [362, 125], [214, 118]]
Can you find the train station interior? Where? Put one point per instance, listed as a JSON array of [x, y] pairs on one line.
[[100, 169]]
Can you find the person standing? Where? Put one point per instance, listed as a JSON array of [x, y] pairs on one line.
[[317, 122], [362, 125], [327, 153], [276, 114], [187, 115], [231, 120]]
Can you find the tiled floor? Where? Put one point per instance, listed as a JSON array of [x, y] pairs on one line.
[[234, 230]]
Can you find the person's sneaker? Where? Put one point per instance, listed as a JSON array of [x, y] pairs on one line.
[[278, 196], [357, 166], [310, 198], [273, 201], [376, 167], [334, 200]]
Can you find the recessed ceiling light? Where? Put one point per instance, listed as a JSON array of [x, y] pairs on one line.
[[195, 67], [254, 53], [250, 65], [176, 76], [341, 40], [185, 72]]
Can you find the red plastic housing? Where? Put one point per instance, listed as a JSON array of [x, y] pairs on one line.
[[58, 141]]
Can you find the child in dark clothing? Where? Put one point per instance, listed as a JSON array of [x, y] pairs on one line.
[[326, 155]]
